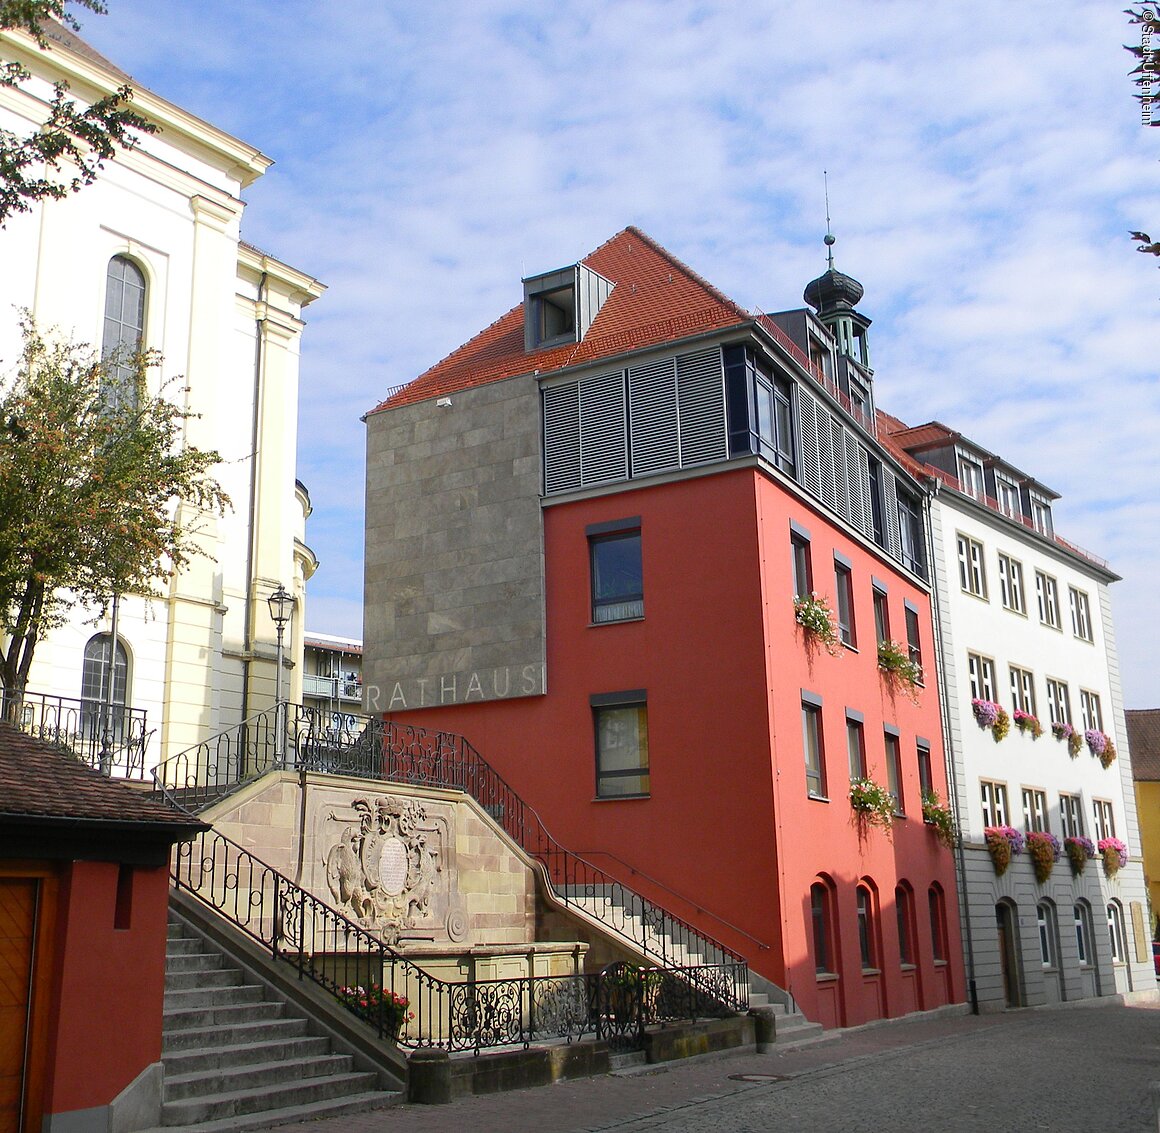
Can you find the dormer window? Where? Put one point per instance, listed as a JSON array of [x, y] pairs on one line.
[[559, 306], [1041, 515], [1008, 497], [971, 477]]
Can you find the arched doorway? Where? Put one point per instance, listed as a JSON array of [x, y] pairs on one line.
[[1007, 924]]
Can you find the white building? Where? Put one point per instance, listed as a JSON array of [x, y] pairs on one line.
[[332, 680], [1026, 625], [152, 252]]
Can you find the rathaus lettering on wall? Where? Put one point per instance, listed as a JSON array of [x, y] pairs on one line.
[[457, 688]]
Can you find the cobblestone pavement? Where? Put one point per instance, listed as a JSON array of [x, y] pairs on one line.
[[1083, 1069]]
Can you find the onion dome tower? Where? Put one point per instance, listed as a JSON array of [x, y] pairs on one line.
[[833, 295]]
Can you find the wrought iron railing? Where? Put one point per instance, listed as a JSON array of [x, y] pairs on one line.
[[294, 737], [401, 1001], [111, 740]]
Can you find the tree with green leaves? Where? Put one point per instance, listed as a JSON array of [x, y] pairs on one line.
[[99, 493], [74, 141]]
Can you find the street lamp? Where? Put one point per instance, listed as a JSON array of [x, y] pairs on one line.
[[281, 604]]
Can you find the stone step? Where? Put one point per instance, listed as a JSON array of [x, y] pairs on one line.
[[180, 999], [197, 1038], [182, 945], [212, 977], [205, 1059], [213, 1107], [252, 1076], [220, 1015], [291, 1115], [194, 962]]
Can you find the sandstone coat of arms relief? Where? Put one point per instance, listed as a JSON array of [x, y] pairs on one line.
[[384, 870]]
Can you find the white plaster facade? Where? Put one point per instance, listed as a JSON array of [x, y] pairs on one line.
[[983, 625], [228, 319]]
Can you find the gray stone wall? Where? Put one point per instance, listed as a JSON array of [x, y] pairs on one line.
[[454, 606]]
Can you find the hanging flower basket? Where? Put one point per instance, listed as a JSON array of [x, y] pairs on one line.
[[812, 612], [1044, 850], [873, 804], [1027, 724], [1101, 746], [898, 669], [1114, 853], [1079, 852], [994, 716], [1003, 843], [1070, 736], [937, 815]]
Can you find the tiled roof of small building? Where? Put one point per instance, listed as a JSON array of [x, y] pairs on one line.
[[38, 780], [1144, 742], [889, 429], [656, 299]]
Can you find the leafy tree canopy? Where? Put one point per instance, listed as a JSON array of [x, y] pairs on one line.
[[97, 489], [74, 142]]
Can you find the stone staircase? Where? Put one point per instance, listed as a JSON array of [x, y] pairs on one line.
[[237, 1059]]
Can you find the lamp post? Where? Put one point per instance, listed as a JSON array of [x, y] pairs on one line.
[[281, 604]]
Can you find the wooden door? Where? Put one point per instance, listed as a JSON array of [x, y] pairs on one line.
[[17, 938]]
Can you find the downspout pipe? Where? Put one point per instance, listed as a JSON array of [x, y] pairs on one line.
[[251, 549], [948, 749]]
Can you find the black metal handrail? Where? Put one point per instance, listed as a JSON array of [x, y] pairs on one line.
[[111, 740], [401, 1001], [292, 736]]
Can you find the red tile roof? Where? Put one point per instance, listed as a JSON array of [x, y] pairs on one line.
[[888, 430], [656, 299], [39, 781], [1144, 742]]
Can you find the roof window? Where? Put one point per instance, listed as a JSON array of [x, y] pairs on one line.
[[559, 306]]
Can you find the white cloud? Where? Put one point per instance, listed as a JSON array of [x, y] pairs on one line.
[[986, 162]]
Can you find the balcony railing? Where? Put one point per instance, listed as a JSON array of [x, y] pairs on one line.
[[332, 688], [994, 505], [112, 742]]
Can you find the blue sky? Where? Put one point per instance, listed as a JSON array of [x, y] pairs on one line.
[[986, 162]]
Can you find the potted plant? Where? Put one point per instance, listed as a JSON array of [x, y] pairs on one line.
[[1114, 853], [812, 612], [1079, 852], [873, 805], [1067, 733], [896, 666], [994, 716], [1044, 850], [374, 1003], [1101, 746], [1025, 722], [1003, 843], [937, 815]]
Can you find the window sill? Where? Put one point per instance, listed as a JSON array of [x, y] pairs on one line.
[[851, 645], [827, 977], [616, 622], [619, 798], [908, 967], [818, 798], [871, 973], [940, 963]]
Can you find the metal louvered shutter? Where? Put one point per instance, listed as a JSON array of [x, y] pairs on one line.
[[808, 472], [561, 438], [890, 521], [826, 458], [841, 487], [858, 476], [603, 435], [701, 407], [652, 414]]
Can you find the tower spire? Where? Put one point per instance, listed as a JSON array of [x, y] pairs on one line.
[[830, 239]]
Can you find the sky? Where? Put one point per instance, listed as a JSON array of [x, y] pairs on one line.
[[986, 163]]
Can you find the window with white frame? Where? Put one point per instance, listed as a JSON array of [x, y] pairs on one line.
[[1041, 514], [1011, 584], [1047, 595], [1071, 815], [1034, 810], [1081, 615], [1058, 701], [1007, 495], [982, 672], [1093, 717], [971, 477], [1023, 690], [994, 799], [1103, 819], [1045, 919], [1116, 932], [972, 570], [123, 332], [1083, 934]]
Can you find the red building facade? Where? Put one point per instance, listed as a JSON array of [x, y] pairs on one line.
[[682, 729]]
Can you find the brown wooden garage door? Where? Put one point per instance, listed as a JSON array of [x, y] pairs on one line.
[[17, 921]]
